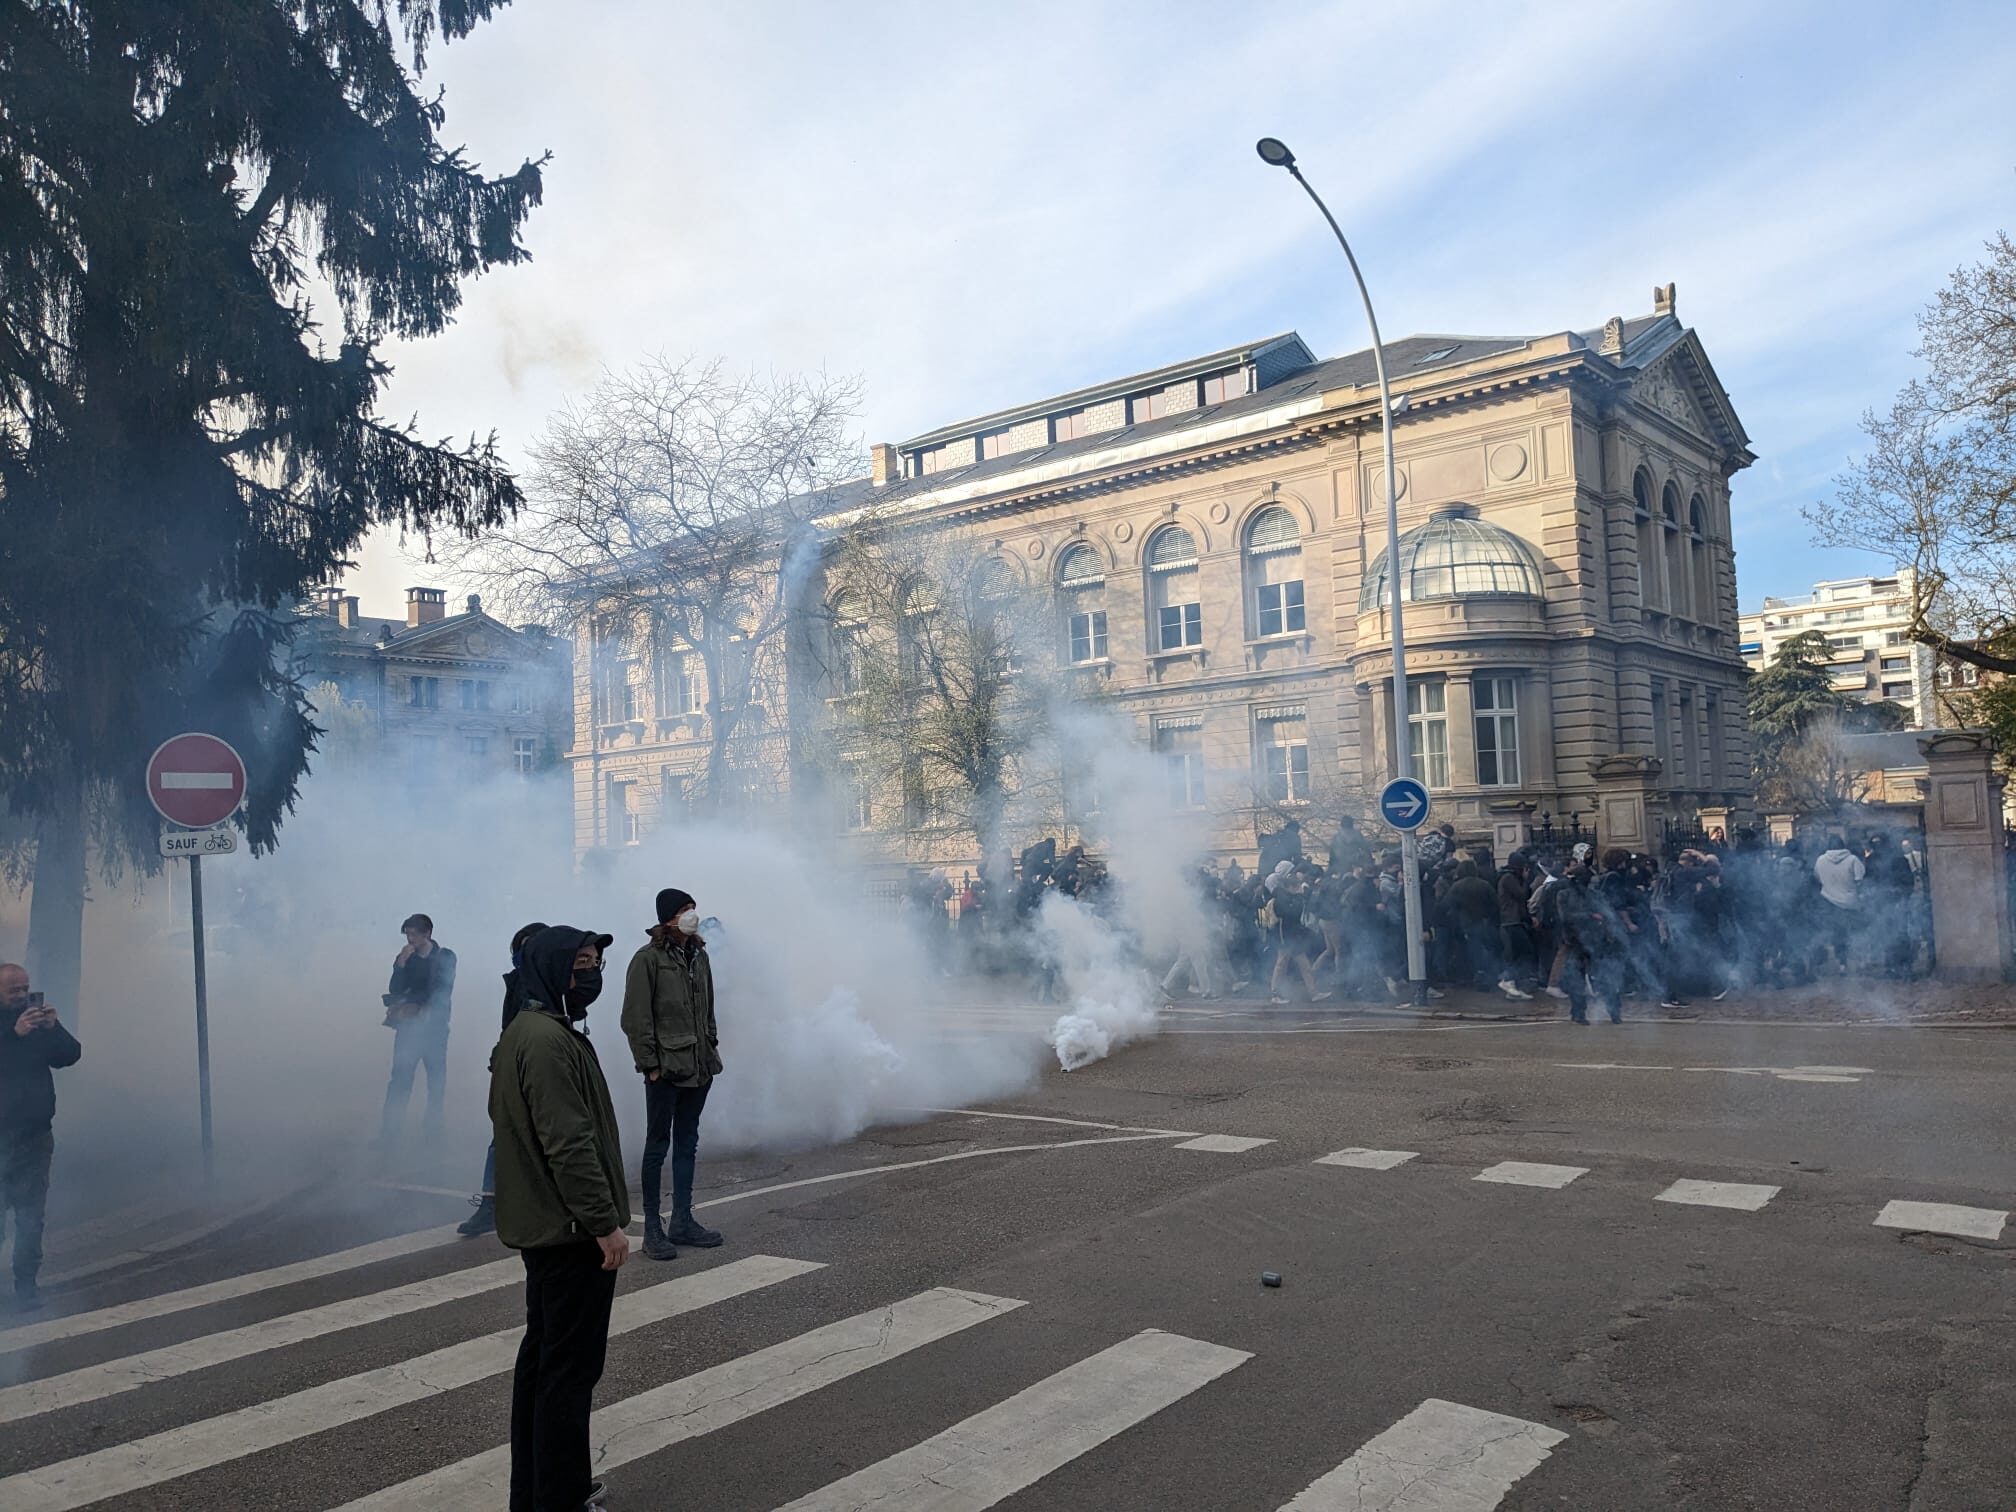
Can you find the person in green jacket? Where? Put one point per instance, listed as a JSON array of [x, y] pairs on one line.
[[562, 1202], [668, 1017]]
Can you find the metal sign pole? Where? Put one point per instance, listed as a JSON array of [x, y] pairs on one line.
[[202, 1011]]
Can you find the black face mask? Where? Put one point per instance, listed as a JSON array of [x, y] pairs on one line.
[[587, 987]]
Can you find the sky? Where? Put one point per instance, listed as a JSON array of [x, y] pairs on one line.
[[969, 206]]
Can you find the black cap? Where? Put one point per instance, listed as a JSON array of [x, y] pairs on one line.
[[672, 903]]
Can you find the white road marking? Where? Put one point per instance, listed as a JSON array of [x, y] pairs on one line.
[[1527, 1173], [1943, 1218], [1076, 1123], [1441, 1457], [1780, 1073], [1367, 1160], [28, 1335], [112, 1377], [710, 1399], [1606, 1066], [1722, 1194], [1223, 1144], [1012, 1445], [165, 1456]]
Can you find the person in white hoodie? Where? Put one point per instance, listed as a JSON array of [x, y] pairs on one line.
[[1840, 872]]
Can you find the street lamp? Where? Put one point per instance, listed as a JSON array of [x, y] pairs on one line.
[[1274, 152]]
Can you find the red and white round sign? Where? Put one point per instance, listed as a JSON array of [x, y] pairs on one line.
[[196, 780]]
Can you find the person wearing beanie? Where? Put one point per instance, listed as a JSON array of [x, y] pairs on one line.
[[668, 1017]]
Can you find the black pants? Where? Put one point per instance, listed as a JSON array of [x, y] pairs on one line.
[[567, 1300], [671, 1122], [24, 1194]]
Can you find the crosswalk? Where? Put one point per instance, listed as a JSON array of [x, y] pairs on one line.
[[1438, 1457]]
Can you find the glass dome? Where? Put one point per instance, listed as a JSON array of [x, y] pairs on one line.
[[1456, 555]]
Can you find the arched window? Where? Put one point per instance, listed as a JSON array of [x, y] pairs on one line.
[[1701, 561], [1649, 591], [1176, 615], [1678, 596], [1081, 591], [1274, 573], [994, 588], [849, 621], [917, 630]]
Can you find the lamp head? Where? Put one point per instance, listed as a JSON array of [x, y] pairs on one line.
[[1274, 152]]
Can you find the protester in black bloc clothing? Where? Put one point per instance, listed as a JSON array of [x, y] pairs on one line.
[[416, 1011], [484, 1219], [32, 1044], [668, 1016], [562, 1201]]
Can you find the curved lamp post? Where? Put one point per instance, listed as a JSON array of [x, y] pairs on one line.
[[1274, 152]]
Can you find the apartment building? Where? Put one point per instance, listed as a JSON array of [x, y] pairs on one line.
[[1871, 655]]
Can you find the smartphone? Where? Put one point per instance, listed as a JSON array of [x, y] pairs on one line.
[[35, 1000]]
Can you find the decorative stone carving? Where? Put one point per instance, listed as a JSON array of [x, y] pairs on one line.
[[1508, 461], [1123, 532], [1035, 550], [1612, 344], [1220, 512]]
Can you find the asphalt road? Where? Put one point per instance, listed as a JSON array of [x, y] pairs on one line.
[[1057, 1303]]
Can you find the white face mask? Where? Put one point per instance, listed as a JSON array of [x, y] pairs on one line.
[[688, 922]]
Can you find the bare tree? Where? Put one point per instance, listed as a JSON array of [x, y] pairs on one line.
[[942, 660], [663, 525], [1937, 490]]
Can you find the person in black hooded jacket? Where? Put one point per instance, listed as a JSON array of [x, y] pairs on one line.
[[484, 1219]]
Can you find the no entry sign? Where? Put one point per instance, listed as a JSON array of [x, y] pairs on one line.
[[196, 780]]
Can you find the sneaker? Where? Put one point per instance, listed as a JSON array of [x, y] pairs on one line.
[[482, 1221], [1317, 997], [688, 1230], [1437, 993], [1671, 1002], [594, 1503], [1277, 998], [1720, 995], [1557, 994], [1578, 1018], [1511, 991]]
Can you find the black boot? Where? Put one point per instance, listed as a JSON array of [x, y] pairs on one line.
[[27, 1298], [482, 1221], [687, 1230], [656, 1245]]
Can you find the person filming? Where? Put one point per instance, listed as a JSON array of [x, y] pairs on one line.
[[32, 1044]]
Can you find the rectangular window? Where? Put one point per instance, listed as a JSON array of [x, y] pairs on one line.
[[1662, 732], [425, 692], [1219, 387], [1898, 691], [680, 678], [623, 819], [1280, 606], [1844, 643], [1428, 732], [1896, 664], [1088, 636], [626, 691], [520, 704], [1180, 625], [929, 462], [1284, 753], [475, 745], [1496, 700], [993, 443], [524, 755], [1181, 747], [468, 690], [1689, 761], [1068, 426], [1145, 407], [847, 660]]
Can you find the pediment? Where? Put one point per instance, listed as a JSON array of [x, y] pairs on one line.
[[479, 638], [1682, 389]]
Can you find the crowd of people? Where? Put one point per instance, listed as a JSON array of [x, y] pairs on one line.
[[1576, 923]]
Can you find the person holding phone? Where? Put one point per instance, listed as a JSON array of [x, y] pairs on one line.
[[32, 1045], [417, 1003]]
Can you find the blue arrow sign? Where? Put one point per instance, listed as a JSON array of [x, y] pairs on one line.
[[1403, 803]]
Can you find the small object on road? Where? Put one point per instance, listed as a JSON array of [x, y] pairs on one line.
[[1270, 1278]]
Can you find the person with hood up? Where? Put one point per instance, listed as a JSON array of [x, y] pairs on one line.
[[668, 1017], [1840, 872], [563, 1204], [484, 1219]]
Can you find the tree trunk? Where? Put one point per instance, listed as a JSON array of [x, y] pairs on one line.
[[56, 908]]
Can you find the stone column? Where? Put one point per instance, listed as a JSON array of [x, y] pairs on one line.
[[1966, 870], [1623, 786]]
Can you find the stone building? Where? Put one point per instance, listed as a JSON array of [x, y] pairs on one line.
[[437, 698], [1212, 534], [1871, 656]]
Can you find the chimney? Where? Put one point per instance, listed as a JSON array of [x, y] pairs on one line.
[[346, 612], [883, 463], [475, 603], [1665, 300], [332, 601], [426, 606]]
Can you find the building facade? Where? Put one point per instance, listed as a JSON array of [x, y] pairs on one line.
[[436, 698], [1872, 657], [1211, 535]]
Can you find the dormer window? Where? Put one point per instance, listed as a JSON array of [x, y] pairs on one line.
[[930, 461], [1068, 426], [993, 443], [1218, 387], [1145, 407]]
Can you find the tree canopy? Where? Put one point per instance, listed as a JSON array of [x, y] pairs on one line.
[[1797, 720], [1936, 491], [212, 215]]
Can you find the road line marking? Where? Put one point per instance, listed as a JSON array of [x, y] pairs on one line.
[[1527, 1173], [1605, 1066], [1441, 1457], [1076, 1123], [176, 1452], [1367, 1160], [1223, 1144], [710, 1399], [1722, 1194], [912, 1165], [1012, 1445], [155, 1247], [1943, 1218], [112, 1377], [28, 1335]]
